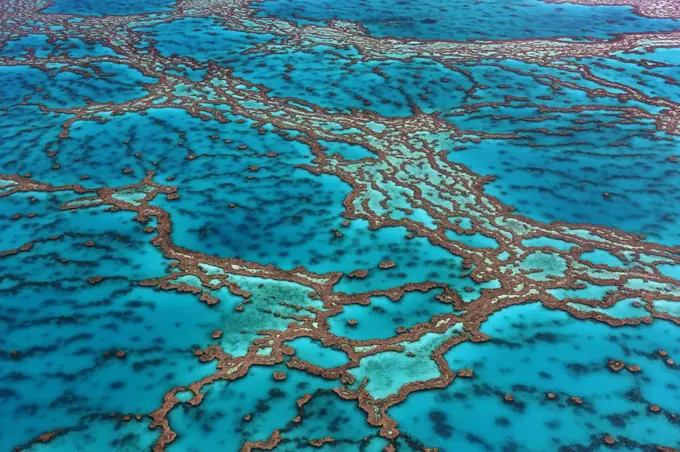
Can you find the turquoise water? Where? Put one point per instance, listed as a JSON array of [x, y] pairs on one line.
[[357, 225], [96, 8], [471, 19], [532, 354]]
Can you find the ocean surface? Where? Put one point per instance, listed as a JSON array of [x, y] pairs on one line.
[[354, 225]]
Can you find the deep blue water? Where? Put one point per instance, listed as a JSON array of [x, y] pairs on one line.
[[266, 225]]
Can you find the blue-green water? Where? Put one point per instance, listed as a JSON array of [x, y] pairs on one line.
[[358, 225]]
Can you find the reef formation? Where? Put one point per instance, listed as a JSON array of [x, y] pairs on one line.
[[361, 225]]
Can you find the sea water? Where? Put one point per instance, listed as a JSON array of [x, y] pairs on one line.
[[359, 225]]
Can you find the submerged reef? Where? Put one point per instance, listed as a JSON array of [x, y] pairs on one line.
[[362, 225]]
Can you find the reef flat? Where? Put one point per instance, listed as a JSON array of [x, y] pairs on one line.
[[364, 225]]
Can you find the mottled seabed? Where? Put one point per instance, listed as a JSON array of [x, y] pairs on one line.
[[358, 225]]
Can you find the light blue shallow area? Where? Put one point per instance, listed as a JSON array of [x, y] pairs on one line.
[[315, 353], [380, 318]]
